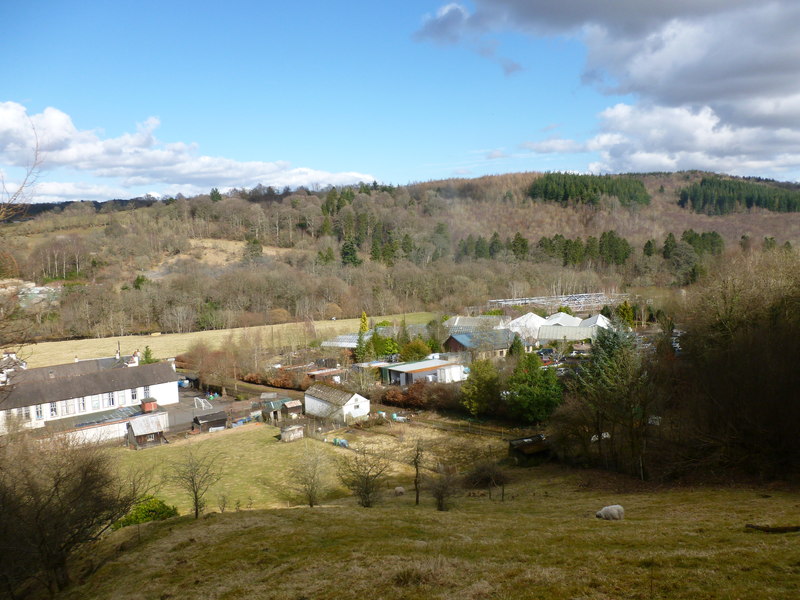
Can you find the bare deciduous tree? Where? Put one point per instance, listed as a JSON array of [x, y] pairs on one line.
[[416, 457], [309, 476], [195, 473], [56, 496], [363, 473], [443, 486]]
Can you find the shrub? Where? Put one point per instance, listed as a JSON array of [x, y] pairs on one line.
[[150, 509]]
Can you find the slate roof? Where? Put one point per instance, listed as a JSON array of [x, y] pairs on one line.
[[80, 379], [329, 394]]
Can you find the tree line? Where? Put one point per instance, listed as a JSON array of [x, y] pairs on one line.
[[566, 188], [721, 196]]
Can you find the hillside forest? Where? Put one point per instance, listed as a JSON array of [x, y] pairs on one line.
[[264, 256]]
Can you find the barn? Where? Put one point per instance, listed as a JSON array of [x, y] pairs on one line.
[[327, 402]]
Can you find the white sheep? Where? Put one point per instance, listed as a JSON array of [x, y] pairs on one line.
[[611, 513], [399, 490]]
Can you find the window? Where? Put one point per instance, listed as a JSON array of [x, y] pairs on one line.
[[69, 407], [121, 397], [147, 391], [133, 395], [81, 404], [95, 402], [26, 413], [355, 407], [110, 399], [151, 437], [53, 409], [39, 412]]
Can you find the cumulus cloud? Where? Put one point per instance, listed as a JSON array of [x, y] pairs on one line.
[[657, 138], [728, 67], [135, 160]]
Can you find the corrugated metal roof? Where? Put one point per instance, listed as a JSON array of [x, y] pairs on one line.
[[145, 425], [422, 365], [560, 332]]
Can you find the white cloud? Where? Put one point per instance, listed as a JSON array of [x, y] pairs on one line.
[[717, 81], [656, 138], [135, 160]]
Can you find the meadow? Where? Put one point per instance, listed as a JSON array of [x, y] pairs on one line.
[[542, 541], [275, 337]]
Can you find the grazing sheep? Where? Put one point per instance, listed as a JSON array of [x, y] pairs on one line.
[[399, 490], [611, 513]]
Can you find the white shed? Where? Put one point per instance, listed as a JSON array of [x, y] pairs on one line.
[[327, 402]]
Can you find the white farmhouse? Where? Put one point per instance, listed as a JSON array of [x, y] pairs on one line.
[[81, 392], [326, 402]]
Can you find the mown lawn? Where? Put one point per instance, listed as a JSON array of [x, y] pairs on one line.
[[542, 542]]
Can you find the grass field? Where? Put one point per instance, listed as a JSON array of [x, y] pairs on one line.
[[168, 345], [541, 542], [255, 463]]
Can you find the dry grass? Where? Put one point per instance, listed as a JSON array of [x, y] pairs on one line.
[[543, 542], [255, 464], [291, 335]]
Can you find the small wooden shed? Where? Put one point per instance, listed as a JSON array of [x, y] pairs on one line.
[[145, 431], [293, 409], [211, 421], [529, 450]]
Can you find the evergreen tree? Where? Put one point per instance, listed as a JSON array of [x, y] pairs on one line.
[[495, 245], [414, 350], [215, 195], [349, 253], [626, 314], [326, 228], [480, 393], [669, 246], [649, 248], [147, 357], [516, 349], [533, 392], [519, 247]]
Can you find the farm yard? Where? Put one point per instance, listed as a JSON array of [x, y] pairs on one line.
[[542, 541]]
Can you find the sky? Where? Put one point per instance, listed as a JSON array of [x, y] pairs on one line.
[[170, 97]]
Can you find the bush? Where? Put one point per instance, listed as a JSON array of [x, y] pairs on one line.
[[150, 509], [486, 474]]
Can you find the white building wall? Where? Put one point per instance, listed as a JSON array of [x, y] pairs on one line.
[[318, 408], [163, 393], [356, 408], [451, 374]]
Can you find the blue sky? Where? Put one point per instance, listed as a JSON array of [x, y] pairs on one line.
[[168, 97]]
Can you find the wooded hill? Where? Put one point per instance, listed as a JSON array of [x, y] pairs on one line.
[[267, 256]]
